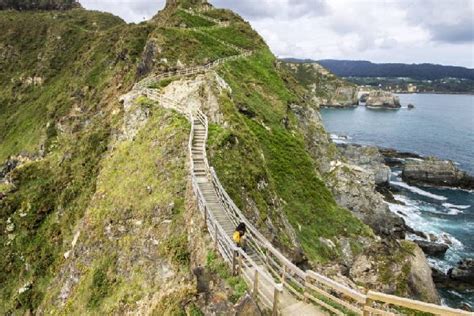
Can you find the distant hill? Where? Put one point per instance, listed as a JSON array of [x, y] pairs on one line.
[[361, 68], [23, 5]]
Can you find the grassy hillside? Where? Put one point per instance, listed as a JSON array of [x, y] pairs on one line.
[[98, 217]]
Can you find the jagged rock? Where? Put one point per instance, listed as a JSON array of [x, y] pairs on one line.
[[369, 158], [386, 268], [324, 88], [463, 271], [420, 279], [382, 100], [433, 171], [354, 188], [432, 248], [148, 58]]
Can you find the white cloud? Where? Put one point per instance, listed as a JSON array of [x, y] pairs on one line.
[[409, 31], [129, 10]]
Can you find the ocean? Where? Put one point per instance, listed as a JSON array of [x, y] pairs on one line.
[[441, 126]]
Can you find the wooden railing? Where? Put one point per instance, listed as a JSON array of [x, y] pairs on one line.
[[273, 268], [304, 285]]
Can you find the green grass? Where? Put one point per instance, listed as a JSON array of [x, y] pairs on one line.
[[190, 47], [218, 266], [239, 34], [189, 20], [259, 148]]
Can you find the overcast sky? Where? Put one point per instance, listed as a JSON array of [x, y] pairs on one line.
[[408, 31]]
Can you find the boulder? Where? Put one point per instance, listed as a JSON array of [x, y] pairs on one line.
[[463, 271], [432, 248], [433, 171], [411, 106], [382, 100], [420, 280]]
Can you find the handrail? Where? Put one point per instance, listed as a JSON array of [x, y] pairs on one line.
[[307, 284]]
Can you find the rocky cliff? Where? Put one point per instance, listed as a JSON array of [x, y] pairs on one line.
[[95, 209], [324, 88]]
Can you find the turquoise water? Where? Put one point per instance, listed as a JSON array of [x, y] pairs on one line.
[[440, 125]]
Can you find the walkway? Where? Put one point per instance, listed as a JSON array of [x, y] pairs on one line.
[[275, 282]]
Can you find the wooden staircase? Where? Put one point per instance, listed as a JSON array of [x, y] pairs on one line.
[[275, 282]]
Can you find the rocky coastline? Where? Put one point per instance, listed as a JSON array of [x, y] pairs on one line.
[[417, 170]]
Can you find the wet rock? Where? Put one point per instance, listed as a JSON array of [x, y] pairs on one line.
[[411, 106], [433, 171], [463, 271], [432, 248]]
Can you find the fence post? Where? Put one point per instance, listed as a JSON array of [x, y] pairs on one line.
[[234, 261], [255, 285], [283, 275], [276, 296], [368, 303], [215, 239]]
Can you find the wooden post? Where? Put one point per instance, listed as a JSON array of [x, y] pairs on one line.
[[305, 288], [215, 238], [283, 276], [255, 285], [234, 261], [368, 303], [276, 296], [239, 258]]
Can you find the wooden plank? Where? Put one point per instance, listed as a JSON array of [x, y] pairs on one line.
[[376, 311], [295, 292], [416, 305], [338, 287], [336, 299], [325, 305]]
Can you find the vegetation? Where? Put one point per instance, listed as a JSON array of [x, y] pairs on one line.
[[445, 85], [38, 4], [263, 145], [219, 267], [350, 68]]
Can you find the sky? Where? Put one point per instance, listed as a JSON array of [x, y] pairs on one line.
[[407, 31]]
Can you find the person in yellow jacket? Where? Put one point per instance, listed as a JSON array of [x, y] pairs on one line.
[[239, 234]]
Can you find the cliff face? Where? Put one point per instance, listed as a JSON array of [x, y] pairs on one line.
[[325, 88], [95, 209]]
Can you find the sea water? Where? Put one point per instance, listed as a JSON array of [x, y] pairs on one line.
[[441, 126]]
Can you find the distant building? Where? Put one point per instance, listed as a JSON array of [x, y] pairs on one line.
[[411, 88]]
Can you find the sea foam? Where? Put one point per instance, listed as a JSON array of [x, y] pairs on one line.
[[419, 191]]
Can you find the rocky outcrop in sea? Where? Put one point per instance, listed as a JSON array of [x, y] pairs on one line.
[[436, 172], [382, 100]]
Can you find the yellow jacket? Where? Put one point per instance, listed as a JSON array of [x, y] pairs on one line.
[[236, 237]]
